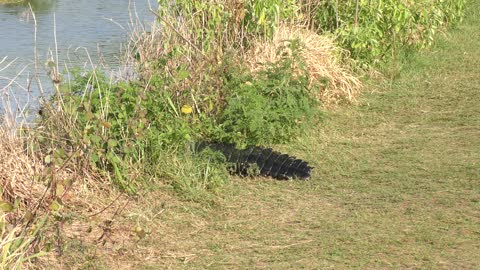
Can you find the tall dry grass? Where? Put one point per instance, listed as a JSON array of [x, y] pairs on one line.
[[328, 65], [19, 196], [35, 196], [17, 168], [322, 57]]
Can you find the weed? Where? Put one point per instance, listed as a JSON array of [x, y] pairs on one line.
[[270, 108], [121, 127], [373, 31], [17, 242]]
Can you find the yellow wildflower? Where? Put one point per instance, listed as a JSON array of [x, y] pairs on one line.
[[187, 109]]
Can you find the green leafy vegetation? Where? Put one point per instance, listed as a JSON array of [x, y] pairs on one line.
[[271, 108], [128, 126], [193, 83], [17, 240], [194, 86], [395, 183], [263, 17], [376, 30]]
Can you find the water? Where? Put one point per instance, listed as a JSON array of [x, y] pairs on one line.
[[100, 28]]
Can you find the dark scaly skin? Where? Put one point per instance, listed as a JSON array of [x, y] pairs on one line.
[[269, 162]]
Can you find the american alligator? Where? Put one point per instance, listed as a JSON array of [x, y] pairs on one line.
[[263, 161]]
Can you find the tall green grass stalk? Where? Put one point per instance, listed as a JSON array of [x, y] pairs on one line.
[[376, 30], [16, 243]]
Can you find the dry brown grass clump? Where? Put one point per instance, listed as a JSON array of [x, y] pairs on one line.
[[322, 59], [17, 168], [92, 210]]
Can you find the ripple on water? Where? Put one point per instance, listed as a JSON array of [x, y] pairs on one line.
[[89, 24]]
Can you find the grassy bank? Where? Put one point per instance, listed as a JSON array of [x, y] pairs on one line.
[[395, 185]]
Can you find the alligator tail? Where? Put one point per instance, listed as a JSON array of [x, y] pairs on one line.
[[265, 161]]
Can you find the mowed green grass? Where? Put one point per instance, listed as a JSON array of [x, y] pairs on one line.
[[396, 184]]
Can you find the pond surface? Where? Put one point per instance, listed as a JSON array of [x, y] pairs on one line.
[[99, 27]]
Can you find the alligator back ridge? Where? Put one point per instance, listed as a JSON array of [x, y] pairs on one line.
[[267, 161]]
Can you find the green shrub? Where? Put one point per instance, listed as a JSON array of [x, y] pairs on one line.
[[263, 17], [126, 129], [270, 107], [374, 30], [193, 90], [119, 126], [222, 24], [106, 121]]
